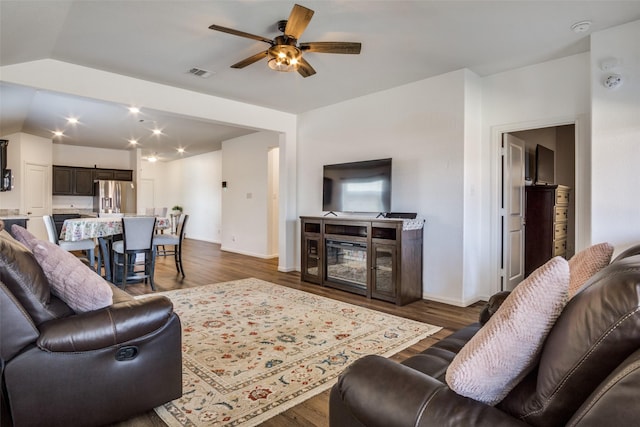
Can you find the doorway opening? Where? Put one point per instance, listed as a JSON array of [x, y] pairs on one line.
[[525, 171]]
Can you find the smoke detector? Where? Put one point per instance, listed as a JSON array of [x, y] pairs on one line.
[[581, 27], [613, 81]]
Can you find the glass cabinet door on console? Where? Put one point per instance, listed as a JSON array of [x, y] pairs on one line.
[[383, 274], [312, 253]]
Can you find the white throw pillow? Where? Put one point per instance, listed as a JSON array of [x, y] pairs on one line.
[[507, 347], [586, 263]]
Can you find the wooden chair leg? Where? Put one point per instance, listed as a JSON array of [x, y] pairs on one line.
[[179, 259], [152, 266]]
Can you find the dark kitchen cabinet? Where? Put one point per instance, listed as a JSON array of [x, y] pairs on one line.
[[83, 183], [78, 181], [71, 181], [122, 175], [63, 180], [103, 174]]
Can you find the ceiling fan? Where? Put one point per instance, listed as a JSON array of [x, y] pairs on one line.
[[285, 53]]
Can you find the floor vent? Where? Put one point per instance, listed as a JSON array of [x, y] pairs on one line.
[[200, 72]]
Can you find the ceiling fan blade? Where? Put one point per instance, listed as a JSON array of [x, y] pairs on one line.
[[250, 60], [331, 47], [305, 68], [298, 21], [240, 33]]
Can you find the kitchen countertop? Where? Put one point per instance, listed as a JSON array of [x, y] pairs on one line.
[[14, 217], [71, 211], [12, 214]]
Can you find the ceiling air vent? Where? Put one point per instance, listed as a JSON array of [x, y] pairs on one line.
[[200, 72]]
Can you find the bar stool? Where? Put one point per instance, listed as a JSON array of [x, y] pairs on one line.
[[137, 239], [174, 240], [86, 245]]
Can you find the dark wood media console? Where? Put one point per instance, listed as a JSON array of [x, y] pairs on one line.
[[376, 258]]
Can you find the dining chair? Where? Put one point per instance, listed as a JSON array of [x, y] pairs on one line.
[[174, 240], [162, 212], [149, 211], [86, 245], [137, 242]]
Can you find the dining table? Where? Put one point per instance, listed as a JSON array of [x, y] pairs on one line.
[[102, 229]]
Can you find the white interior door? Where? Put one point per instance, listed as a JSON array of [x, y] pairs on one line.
[[513, 199], [37, 195]]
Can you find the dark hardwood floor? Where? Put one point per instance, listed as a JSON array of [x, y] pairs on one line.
[[205, 263]]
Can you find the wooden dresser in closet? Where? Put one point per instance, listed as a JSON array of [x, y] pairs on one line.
[[546, 224]]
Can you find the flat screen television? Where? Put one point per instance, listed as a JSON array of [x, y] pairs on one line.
[[545, 165], [362, 187]]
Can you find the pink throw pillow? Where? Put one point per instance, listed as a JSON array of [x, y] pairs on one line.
[[23, 236], [72, 281], [507, 347], [586, 263]]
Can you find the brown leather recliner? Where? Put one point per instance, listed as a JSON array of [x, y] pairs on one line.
[[59, 368], [588, 373]]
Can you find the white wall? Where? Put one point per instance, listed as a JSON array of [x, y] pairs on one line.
[[546, 94], [476, 260], [245, 202], [200, 193], [87, 157], [421, 126], [616, 138]]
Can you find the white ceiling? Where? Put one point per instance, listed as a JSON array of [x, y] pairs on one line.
[[159, 41]]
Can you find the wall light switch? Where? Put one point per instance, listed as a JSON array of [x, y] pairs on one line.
[[249, 195]]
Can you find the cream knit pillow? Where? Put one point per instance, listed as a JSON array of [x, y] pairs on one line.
[[586, 263], [506, 348]]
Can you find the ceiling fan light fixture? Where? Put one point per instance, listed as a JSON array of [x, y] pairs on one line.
[[284, 58]]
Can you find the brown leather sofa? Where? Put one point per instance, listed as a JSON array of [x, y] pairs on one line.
[[59, 368], [588, 373]]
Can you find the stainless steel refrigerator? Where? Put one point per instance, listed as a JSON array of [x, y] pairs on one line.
[[114, 197]]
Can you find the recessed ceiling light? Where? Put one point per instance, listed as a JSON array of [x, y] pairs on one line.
[[581, 27], [134, 110], [58, 133], [72, 120], [152, 159], [157, 132], [180, 150], [133, 141]]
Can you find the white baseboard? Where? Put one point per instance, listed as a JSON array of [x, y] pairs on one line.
[[235, 251], [465, 303]]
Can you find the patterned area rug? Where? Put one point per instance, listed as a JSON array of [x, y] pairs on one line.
[[253, 349]]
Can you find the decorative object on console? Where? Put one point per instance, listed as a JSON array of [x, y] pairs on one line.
[[507, 347], [586, 263], [253, 349]]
